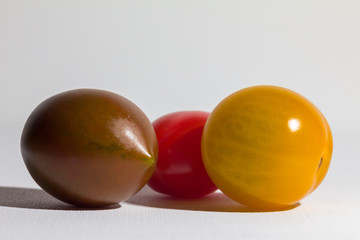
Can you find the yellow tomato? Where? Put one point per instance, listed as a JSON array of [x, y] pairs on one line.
[[266, 147]]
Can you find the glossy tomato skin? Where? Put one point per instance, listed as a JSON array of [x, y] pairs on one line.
[[267, 147], [180, 171], [89, 147]]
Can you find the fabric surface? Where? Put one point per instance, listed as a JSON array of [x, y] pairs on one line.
[[331, 212]]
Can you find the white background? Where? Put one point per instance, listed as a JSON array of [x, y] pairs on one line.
[[175, 55]]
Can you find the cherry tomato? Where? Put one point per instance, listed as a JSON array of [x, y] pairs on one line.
[[180, 171], [266, 147], [89, 147]]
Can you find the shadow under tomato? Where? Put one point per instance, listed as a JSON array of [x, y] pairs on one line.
[[215, 202], [37, 199]]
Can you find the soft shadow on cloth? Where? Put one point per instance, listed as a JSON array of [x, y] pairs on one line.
[[37, 199], [215, 202]]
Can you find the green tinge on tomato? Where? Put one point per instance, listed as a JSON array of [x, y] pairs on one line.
[[89, 147]]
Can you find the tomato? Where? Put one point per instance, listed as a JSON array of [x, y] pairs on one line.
[[89, 147], [180, 171], [266, 147]]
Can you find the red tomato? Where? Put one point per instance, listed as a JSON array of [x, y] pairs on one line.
[[180, 171]]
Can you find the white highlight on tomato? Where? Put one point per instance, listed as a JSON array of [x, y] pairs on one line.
[[294, 124]]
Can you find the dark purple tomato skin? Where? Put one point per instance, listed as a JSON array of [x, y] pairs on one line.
[[180, 171], [89, 147]]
